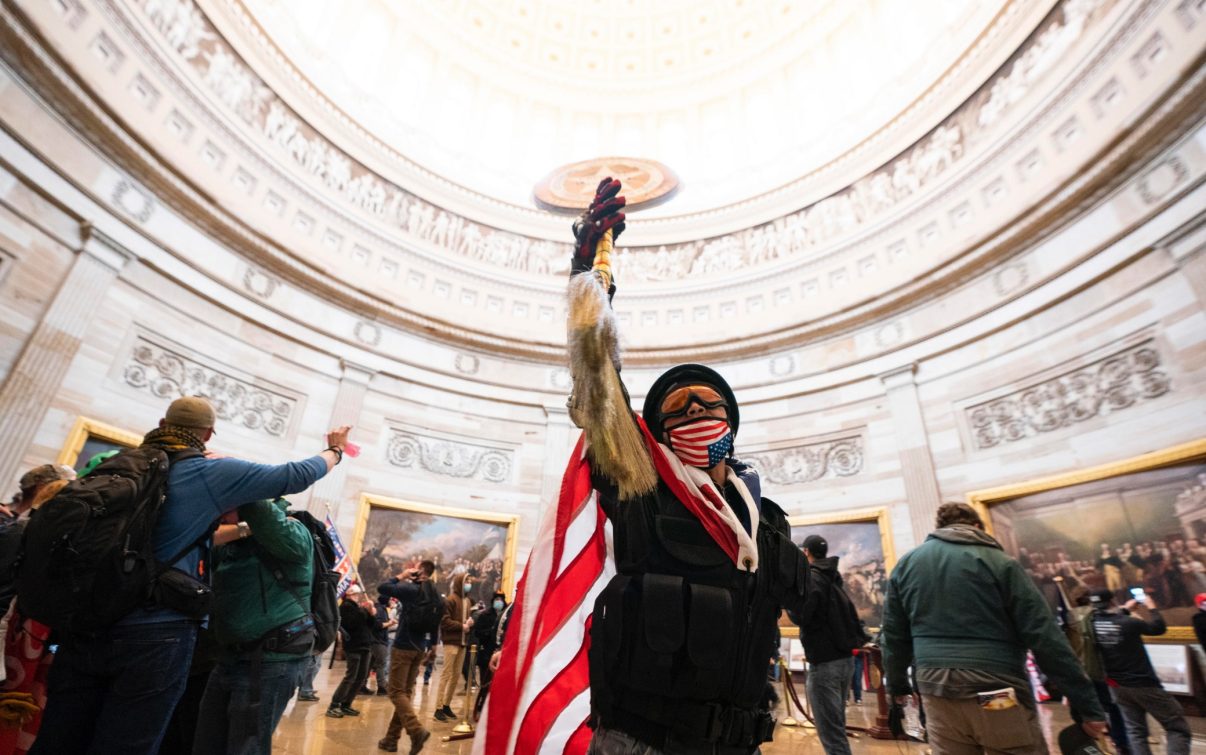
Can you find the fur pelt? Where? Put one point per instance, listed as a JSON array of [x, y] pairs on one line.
[[599, 403]]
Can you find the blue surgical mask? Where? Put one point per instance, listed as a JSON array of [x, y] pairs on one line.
[[467, 588], [498, 605]]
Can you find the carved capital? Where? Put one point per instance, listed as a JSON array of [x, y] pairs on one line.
[[103, 248]]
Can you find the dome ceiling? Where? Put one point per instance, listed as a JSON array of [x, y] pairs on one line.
[[737, 97]]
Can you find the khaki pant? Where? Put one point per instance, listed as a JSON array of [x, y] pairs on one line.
[[962, 727], [454, 658], [404, 667]]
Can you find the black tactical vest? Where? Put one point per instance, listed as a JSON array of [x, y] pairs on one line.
[[680, 637]]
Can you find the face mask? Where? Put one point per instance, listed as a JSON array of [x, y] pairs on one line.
[[467, 588], [703, 442], [498, 605]]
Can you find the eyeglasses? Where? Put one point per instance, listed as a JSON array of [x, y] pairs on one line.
[[679, 400]]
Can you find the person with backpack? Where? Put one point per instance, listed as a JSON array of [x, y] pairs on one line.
[[420, 609], [830, 632], [454, 630], [126, 592], [263, 630], [356, 617]]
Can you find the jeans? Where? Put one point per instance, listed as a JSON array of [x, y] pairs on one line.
[[1136, 703], [856, 683], [229, 724], [353, 678], [828, 687], [114, 693], [309, 672], [616, 742], [403, 671]]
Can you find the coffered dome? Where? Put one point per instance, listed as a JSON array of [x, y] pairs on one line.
[[738, 97]]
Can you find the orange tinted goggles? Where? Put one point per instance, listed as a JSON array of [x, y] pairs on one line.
[[679, 400]]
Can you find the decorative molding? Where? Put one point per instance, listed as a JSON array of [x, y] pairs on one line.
[[782, 364], [1113, 383], [133, 201], [190, 34], [1010, 278], [259, 283], [367, 333], [810, 461], [167, 374], [1160, 180], [467, 363], [450, 458]]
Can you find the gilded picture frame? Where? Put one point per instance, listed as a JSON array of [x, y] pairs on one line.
[[886, 556], [86, 431], [1118, 474], [429, 515]]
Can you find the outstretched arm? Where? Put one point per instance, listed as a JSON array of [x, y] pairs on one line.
[[599, 403]]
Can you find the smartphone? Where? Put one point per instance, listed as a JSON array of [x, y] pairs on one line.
[[1138, 594]]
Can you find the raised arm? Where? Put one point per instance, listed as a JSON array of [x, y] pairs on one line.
[[599, 403]]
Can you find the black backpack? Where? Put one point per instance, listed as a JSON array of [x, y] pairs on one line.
[[425, 615], [87, 555], [324, 587]]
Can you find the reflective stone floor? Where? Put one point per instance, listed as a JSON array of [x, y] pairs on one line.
[[305, 730]]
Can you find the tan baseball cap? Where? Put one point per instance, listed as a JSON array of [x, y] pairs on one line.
[[190, 411], [44, 474]]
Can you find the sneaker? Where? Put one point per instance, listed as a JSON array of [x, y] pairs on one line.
[[334, 712], [308, 697], [447, 710], [418, 740], [348, 710], [439, 715], [387, 745]]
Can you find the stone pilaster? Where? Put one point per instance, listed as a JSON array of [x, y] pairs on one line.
[[353, 386], [33, 382], [560, 437], [912, 441]]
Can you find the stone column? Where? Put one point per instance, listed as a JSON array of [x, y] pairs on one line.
[[560, 437], [29, 389], [916, 463], [353, 385]]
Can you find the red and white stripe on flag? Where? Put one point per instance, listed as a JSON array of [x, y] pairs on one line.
[[695, 440], [540, 696]]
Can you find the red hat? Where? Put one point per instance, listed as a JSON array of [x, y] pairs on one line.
[[1199, 599]]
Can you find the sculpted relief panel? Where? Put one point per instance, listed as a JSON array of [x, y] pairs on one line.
[[449, 458], [168, 375], [1117, 382], [815, 460], [189, 33]]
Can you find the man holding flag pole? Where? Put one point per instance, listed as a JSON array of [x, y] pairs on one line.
[[647, 612]]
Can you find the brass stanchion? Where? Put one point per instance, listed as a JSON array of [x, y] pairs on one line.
[[465, 729], [786, 672]]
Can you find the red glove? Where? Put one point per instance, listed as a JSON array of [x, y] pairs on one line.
[[602, 215]]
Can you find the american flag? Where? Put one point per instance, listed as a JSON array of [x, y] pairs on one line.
[[343, 562], [540, 696], [696, 442]]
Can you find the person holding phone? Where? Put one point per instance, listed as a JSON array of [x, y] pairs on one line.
[[1133, 682]]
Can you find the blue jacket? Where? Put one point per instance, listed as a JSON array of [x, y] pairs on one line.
[[199, 491]]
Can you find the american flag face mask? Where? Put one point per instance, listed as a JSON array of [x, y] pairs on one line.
[[703, 442]]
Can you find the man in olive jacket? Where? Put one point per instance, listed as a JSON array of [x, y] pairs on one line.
[[262, 625], [964, 614]]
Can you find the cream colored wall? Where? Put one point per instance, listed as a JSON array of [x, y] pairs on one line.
[[878, 408]]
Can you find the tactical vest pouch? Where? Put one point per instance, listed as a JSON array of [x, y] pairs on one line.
[[662, 608], [687, 541], [711, 632]]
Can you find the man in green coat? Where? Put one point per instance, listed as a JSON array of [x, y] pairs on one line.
[[964, 614], [262, 624]]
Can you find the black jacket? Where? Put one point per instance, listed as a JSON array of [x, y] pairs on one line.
[[357, 626], [822, 631]]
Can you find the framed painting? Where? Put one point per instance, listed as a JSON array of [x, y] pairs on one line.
[[862, 542], [1136, 523], [392, 534], [89, 437]]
